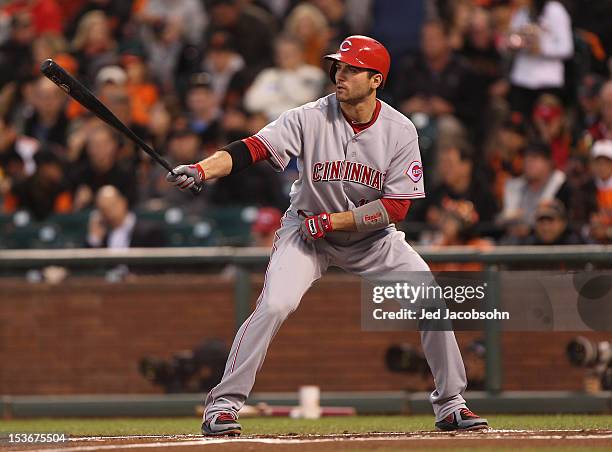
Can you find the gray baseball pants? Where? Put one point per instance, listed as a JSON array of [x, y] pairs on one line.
[[294, 266]]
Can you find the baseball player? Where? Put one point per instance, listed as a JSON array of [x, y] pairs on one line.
[[359, 168]]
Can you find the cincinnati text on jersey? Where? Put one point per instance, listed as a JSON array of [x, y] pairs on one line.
[[348, 171]]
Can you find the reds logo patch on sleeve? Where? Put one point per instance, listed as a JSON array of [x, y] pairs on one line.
[[415, 171], [373, 219]]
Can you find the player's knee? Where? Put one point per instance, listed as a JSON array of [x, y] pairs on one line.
[[279, 309]]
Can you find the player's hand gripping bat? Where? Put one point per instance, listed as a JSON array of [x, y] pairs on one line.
[[87, 99]]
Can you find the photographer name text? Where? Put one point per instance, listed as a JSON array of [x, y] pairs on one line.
[[439, 314]]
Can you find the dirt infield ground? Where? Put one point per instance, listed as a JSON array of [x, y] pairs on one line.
[[488, 439]]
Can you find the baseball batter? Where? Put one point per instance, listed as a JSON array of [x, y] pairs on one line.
[[359, 166]]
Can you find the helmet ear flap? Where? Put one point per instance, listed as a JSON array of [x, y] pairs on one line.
[[332, 72]]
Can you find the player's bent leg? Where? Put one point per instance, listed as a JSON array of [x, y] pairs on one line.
[[293, 267], [391, 254]]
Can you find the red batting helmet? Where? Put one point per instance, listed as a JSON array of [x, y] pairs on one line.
[[362, 52]]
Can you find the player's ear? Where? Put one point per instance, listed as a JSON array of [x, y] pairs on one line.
[[376, 80]]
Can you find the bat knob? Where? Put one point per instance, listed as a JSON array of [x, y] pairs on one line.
[[46, 65], [196, 189]]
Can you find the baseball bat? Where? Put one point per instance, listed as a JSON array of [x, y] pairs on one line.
[[87, 99]]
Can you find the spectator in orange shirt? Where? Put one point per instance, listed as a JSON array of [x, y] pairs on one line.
[[112, 87], [43, 193], [457, 227], [309, 25], [597, 193], [601, 166], [143, 94]]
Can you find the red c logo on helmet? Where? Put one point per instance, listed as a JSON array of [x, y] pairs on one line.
[[346, 45]]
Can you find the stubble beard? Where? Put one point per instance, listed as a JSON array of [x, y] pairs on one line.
[[354, 98]]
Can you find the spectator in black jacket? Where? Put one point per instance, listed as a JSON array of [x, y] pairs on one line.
[[258, 185], [102, 168], [48, 123], [459, 180], [551, 226], [438, 83], [113, 225], [204, 113]]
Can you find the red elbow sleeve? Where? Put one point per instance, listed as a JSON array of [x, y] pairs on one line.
[[257, 149], [396, 208]]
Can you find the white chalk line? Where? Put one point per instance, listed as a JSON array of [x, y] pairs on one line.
[[488, 431], [187, 440]]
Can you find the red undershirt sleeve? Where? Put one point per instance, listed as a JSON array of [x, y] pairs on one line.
[[396, 208], [256, 148]]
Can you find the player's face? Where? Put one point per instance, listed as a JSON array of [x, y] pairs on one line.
[[353, 84]]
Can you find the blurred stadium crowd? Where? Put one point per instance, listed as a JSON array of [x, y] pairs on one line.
[[512, 100]]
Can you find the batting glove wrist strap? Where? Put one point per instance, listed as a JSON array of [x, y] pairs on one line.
[[325, 220], [316, 227], [200, 169]]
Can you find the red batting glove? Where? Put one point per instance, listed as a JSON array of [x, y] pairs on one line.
[[316, 227]]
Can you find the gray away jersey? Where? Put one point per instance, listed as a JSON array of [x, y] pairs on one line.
[[338, 169]]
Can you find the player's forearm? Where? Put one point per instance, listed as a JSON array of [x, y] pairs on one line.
[[217, 165], [375, 215], [343, 221], [234, 157]]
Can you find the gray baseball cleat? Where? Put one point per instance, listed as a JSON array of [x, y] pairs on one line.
[[221, 424], [462, 419]]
